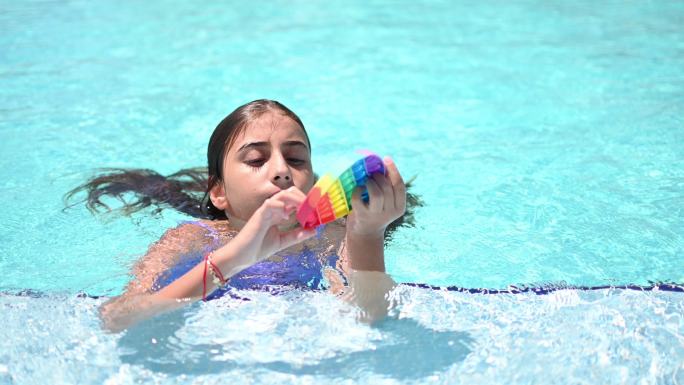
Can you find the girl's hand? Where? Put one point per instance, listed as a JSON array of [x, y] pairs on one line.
[[387, 202], [261, 236]]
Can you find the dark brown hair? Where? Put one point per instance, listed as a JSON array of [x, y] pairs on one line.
[[188, 190]]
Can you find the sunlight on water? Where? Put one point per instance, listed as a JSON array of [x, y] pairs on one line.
[[546, 139]]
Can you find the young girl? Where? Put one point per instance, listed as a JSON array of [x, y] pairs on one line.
[[259, 171]]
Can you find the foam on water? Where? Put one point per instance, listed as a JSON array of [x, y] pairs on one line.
[[606, 336]]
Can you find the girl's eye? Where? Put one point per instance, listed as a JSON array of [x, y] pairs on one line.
[[295, 161], [255, 162]]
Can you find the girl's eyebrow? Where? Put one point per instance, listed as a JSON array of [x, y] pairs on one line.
[[248, 146], [295, 143], [289, 143]]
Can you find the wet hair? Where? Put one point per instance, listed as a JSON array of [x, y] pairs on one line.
[[187, 190]]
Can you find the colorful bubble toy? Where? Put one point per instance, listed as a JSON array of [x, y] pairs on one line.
[[330, 199]]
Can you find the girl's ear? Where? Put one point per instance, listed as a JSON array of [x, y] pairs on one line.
[[217, 194]]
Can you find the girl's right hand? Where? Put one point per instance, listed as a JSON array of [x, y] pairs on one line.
[[261, 236]]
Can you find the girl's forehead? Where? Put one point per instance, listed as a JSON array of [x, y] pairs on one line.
[[270, 127]]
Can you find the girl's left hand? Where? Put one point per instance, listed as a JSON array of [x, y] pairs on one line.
[[387, 202]]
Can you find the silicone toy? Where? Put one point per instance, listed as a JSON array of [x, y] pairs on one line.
[[330, 199]]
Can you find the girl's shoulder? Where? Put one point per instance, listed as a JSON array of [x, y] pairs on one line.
[[195, 226], [217, 230], [187, 235], [188, 238]]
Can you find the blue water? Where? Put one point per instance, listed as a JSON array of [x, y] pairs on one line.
[[547, 139]]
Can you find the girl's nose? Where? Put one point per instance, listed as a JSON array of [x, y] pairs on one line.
[[281, 174], [283, 180]]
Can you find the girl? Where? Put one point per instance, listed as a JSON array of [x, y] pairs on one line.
[[259, 171]]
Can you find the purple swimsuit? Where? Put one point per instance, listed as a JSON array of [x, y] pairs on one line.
[[300, 271]]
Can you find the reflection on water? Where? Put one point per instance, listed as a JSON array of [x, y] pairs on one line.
[[403, 349]]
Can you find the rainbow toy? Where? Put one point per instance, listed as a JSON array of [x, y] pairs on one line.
[[330, 199]]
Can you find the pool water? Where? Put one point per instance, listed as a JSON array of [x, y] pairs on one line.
[[547, 139]]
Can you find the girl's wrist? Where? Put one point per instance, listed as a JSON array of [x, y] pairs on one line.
[[234, 256], [365, 251], [360, 232], [366, 235]]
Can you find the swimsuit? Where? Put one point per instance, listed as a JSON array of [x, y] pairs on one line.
[[299, 271]]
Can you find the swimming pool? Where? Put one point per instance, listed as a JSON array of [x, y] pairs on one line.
[[547, 140]]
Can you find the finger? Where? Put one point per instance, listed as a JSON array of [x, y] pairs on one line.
[[296, 192], [292, 194], [397, 183], [356, 202], [295, 236], [274, 209], [386, 189], [375, 196], [291, 198]]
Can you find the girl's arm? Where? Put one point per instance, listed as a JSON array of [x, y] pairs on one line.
[[137, 302], [186, 239], [258, 239], [363, 253]]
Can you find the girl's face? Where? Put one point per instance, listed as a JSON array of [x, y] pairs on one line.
[[270, 155]]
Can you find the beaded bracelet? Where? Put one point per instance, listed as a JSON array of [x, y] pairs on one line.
[[217, 279]]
